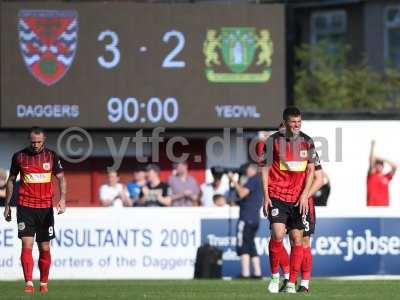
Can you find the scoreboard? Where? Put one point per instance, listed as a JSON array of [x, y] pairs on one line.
[[127, 65]]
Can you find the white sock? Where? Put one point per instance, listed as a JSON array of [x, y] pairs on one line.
[[305, 283], [29, 283], [286, 275], [276, 275], [43, 283]]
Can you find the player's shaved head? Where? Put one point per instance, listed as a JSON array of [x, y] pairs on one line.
[[36, 130], [37, 138]]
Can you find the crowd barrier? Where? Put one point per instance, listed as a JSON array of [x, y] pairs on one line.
[[161, 243]]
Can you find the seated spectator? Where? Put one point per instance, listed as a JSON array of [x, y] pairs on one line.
[[155, 192], [185, 190], [219, 201], [208, 190], [135, 186], [3, 183], [114, 193]]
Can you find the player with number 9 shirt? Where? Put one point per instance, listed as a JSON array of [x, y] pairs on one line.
[[36, 165]]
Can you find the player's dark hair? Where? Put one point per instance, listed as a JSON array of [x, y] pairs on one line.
[[290, 111], [37, 130]]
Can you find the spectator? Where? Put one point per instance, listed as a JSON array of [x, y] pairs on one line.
[[250, 203], [135, 186], [377, 180], [219, 201], [208, 190], [3, 183], [185, 190], [155, 192], [114, 193]]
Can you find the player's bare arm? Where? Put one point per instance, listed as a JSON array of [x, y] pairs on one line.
[[303, 201], [61, 206], [264, 170], [9, 192]]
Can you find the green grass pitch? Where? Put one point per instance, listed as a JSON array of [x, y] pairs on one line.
[[201, 289]]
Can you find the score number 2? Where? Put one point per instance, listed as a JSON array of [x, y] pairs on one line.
[[112, 47]]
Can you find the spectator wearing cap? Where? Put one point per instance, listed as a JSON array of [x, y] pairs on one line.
[[155, 192], [185, 190], [216, 187], [135, 186]]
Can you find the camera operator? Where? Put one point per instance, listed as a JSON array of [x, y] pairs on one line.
[[250, 200]]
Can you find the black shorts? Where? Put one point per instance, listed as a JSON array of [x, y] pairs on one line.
[[246, 232], [286, 213], [36, 221], [309, 220]]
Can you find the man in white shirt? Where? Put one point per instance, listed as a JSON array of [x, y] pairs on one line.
[[114, 193], [217, 187]]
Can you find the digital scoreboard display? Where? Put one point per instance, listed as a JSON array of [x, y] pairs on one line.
[[126, 65]]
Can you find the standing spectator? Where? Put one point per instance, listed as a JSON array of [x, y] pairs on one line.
[[377, 180], [250, 203], [185, 190], [156, 192], [3, 181], [208, 190], [114, 193], [135, 186]]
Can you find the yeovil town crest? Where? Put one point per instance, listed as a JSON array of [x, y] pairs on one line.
[[48, 40], [238, 46]]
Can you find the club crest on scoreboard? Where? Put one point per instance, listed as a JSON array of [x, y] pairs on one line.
[[246, 54], [48, 41]]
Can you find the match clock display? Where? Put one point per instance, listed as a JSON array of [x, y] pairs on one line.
[[126, 65]]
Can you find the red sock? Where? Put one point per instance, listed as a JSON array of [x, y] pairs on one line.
[[27, 263], [44, 265], [296, 256], [284, 261], [306, 265], [274, 255]]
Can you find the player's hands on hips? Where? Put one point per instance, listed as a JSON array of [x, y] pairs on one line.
[[7, 213], [303, 204], [267, 205], [61, 207]]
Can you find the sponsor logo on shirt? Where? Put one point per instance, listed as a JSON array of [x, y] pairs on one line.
[[293, 166], [37, 177]]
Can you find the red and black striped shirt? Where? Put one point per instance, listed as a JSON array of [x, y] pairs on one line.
[[288, 159], [36, 170]]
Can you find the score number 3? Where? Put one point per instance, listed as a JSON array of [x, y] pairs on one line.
[[112, 47]]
